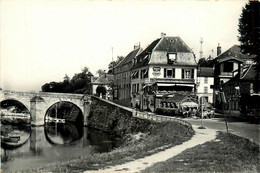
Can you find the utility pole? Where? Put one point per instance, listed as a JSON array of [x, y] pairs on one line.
[[201, 52], [112, 60]]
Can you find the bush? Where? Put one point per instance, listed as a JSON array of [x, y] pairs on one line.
[[167, 111]]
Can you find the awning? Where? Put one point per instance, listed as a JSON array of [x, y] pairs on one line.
[[171, 84], [165, 84], [189, 104]]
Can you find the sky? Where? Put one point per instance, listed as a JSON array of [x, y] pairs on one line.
[[42, 40]]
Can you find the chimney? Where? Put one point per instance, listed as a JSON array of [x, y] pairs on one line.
[[137, 46], [218, 50], [163, 35]]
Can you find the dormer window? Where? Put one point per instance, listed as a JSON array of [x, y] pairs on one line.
[[171, 58]]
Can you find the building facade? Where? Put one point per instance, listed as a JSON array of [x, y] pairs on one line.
[[228, 64], [122, 78], [165, 67], [240, 94], [205, 82]]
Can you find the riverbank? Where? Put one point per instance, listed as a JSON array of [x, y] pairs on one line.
[[159, 137], [141, 137], [201, 136]]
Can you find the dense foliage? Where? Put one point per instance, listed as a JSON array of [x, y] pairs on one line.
[[249, 27], [101, 90], [203, 62], [249, 34], [114, 63], [80, 83]]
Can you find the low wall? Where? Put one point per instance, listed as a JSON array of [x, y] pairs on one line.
[[119, 120], [161, 118]]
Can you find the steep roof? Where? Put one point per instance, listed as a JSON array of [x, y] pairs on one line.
[[129, 57], [141, 60], [249, 74], [235, 53], [103, 79], [166, 44], [205, 72], [172, 44]]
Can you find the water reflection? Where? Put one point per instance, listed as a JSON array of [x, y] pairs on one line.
[[63, 133], [39, 146], [102, 141], [13, 137]]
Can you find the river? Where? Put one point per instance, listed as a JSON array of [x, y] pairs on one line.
[[39, 146]]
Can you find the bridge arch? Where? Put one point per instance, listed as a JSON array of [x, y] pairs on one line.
[[65, 110], [25, 104]]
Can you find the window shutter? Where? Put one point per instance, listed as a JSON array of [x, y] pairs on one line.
[[192, 73], [165, 73], [182, 73], [173, 72]]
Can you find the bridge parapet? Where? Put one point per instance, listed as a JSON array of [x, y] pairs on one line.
[[38, 103], [44, 94]]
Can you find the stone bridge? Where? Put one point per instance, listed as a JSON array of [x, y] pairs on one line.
[[38, 103]]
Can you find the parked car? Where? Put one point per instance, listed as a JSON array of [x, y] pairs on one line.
[[207, 113], [188, 111]]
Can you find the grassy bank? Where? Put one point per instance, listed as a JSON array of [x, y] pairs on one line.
[[158, 137], [228, 153]]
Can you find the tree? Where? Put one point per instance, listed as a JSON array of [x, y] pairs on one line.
[[249, 33], [101, 90], [206, 62], [249, 27], [80, 83], [66, 79], [119, 59], [100, 72], [112, 64], [84, 70]]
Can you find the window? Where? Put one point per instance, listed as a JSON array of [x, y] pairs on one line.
[[144, 73], [228, 67], [206, 80], [205, 89], [135, 74], [169, 73], [171, 58], [187, 73]]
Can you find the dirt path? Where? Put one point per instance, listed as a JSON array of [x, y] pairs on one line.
[[201, 136]]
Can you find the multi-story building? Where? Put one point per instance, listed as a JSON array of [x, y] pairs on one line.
[[228, 64], [239, 93], [166, 66], [122, 77], [205, 81]]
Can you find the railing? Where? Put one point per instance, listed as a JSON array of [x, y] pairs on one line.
[[43, 94], [160, 118], [149, 115]]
